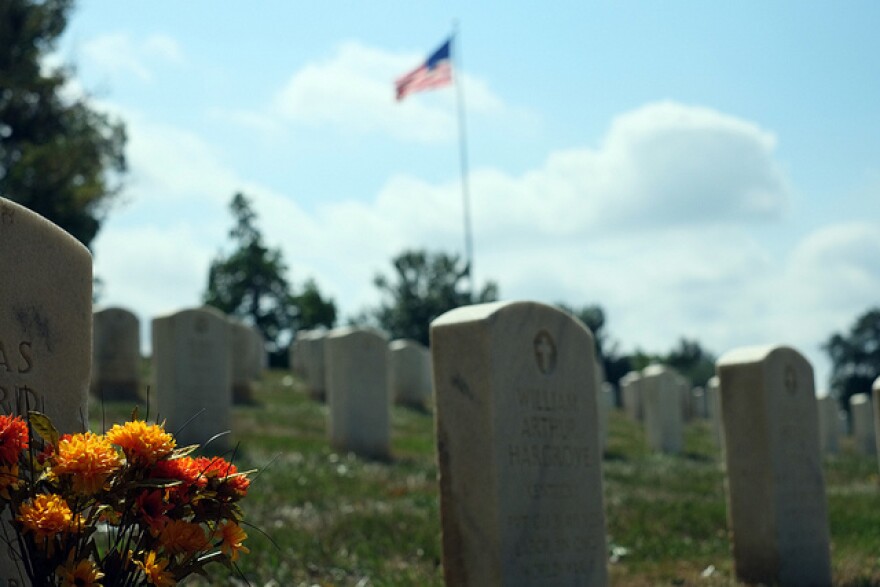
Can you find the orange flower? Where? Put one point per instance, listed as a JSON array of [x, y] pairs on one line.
[[88, 458], [142, 442], [82, 573], [46, 516], [231, 538], [182, 537], [155, 571], [13, 438], [8, 479]]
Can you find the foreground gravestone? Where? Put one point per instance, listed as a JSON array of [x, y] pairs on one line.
[[862, 415], [661, 392], [357, 391], [192, 367], [116, 355], [45, 328], [518, 447], [409, 373], [777, 512]]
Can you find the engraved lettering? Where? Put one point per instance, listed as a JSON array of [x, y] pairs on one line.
[[4, 362], [24, 350]]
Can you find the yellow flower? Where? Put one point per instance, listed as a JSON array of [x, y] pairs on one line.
[[155, 571], [141, 442], [81, 573], [46, 516], [179, 536], [232, 537], [88, 458]]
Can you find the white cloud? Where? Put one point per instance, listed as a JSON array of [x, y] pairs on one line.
[[353, 92], [119, 53]]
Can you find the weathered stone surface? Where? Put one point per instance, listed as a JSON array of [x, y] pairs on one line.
[[116, 355], [192, 368], [45, 327], [777, 512], [662, 393], [409, 373], [357, 391], [518, 448], [862, 416]]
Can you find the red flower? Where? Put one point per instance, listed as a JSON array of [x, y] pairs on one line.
[[13, 438]]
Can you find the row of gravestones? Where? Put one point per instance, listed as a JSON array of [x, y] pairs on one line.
[[517, 415], [116, 356], [662, 400]]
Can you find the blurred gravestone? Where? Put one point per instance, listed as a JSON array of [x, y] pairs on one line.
[[875, 392], [357, 391], [518, 447], [662, 400], [192, 367], [409, 373], [713, 409], [313, 359], [829, 424], [246, 362], [116, 355], [862, 415], [777, 513], [45, 327], [632, 395]]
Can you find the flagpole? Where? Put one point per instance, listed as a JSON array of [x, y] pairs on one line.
[[462, 148]]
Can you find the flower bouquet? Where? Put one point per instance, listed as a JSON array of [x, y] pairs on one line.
[[127, 507]]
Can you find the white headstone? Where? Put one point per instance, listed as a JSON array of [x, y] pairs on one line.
[[862, 414], [518, 451], [661, 391], [116, 355], [409, 373], [829, 424], [875, 393], [45, 327], [192, 367], [698, 403], [356, 362], [777, 513], [246, 361], [313, 358], [631, 395]]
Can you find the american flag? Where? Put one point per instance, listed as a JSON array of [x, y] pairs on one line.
[[435, 72]]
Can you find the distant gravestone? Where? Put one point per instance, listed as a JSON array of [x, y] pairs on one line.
[[829, 425], [192, 367], [246, 361], [777, 512], [116, 355], [409, 373], [313, 359], [698, 403], [357, 391], [45, 327], [631, 394], [606, 406], [296, 354], [875, 392], [713, 409], [518, 451], [862, 415], [661, 391]]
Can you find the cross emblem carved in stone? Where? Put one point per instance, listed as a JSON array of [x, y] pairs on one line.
[[545, 352]]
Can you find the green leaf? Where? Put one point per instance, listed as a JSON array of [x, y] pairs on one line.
[[43, 426]]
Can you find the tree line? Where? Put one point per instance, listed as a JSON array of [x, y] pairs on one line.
[[65, 160]]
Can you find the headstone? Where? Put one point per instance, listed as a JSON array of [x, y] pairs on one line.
[[520, 464], [875, 392], [777, 512], [357, 391], [192, 367], [684, 393], [116, 355], [246, 362], [829, 425], [713, 409], [313, 357], [661, 391], [409, 373], [45, 327], [632, 395], [606, 406], [698, 403], [296, 354], [862, 414]]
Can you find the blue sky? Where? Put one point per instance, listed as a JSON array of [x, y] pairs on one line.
[[697, 169]]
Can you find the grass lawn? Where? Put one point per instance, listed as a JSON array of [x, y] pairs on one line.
[[321, 518]]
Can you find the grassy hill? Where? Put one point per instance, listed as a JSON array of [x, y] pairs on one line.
[[330, 519]]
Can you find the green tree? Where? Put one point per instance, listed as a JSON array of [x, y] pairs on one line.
[[855, 357], [58, 156], [250, 283], [312, 309], [692, 361], [424, 286]]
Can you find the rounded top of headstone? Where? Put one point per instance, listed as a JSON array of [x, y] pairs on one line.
[[491, 310], [116, 311], [752, 354], [41, 230], [630, 377], [713, 381], [655, 370], [858, 399], [347, 331], [404, 343], [876, 385]]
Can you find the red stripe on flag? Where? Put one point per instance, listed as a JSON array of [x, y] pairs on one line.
[[423, 78]]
